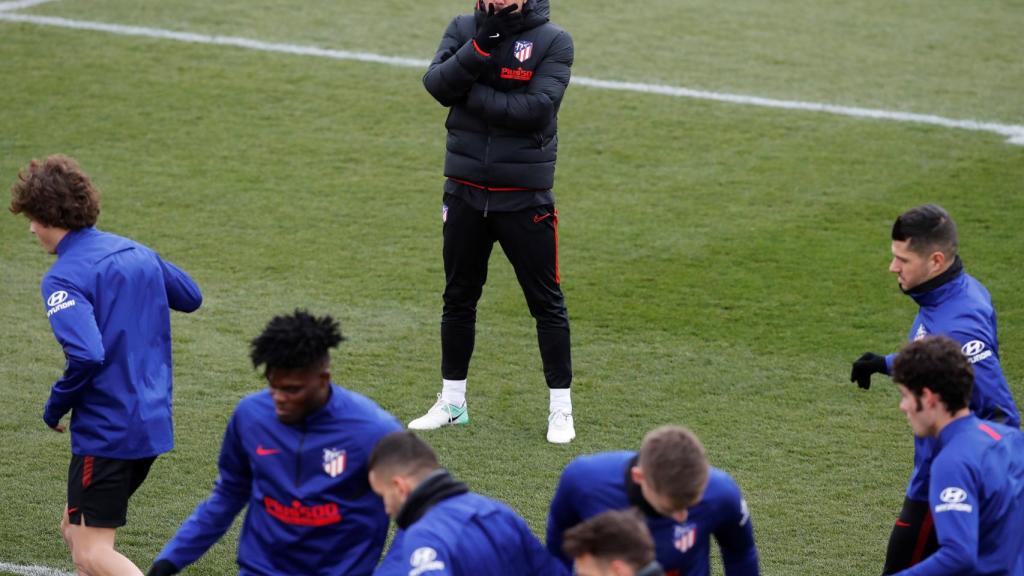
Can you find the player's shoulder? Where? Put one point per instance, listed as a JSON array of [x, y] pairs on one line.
[[721, 487], [599, 465], [255, 405], [353, 405]]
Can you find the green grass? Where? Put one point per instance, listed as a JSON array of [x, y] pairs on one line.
[[722, 264]]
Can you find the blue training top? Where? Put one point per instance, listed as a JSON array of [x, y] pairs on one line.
[[596, 483], [961, 309], [466, 535], [976, 498], [311, 510], [108, 300]]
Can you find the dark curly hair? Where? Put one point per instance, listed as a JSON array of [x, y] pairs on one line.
[[56, 193], [296, 341], [936, 363]]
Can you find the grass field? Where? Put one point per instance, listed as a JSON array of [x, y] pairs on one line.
[[722, 264]]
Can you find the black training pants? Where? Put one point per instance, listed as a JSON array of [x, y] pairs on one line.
[[913, 537], [529, 239]]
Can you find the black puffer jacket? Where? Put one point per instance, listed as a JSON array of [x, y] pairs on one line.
[[502, 123]]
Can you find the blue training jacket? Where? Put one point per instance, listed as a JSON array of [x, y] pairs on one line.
[[466, 535], [961, 309], [108, 300], [596, 483], [976, 498], [311, 510]]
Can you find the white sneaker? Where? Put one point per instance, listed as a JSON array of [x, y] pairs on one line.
[[560, 428], [442, 414]]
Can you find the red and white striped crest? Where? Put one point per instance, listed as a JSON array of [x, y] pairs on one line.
[[334, 462]]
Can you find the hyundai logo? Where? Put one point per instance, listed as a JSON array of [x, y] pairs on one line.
[[953, 495], [973, 348], [56, 298]]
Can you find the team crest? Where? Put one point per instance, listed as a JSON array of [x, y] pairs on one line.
[[334, 462], [685, 537], [522, 50]]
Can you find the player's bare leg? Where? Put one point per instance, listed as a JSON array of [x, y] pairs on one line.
[[92, 550]]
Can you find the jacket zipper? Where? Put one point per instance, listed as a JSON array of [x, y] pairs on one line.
[[487, 158], [298, 458]]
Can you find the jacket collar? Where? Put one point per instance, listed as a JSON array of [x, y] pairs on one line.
[[955, 427], [437, 486], [939, 288], [72, 238]]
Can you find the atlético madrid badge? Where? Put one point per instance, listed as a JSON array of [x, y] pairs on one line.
[[334, 462], [523, 49]]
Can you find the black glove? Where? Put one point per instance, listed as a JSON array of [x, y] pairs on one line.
[[864, 367], [494, 26], [162, 568]]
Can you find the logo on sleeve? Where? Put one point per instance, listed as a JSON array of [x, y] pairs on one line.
[[921, 333], [58, 301], [424, 559], [685, 537], [522, 50], [334, 462], [953, 501], [975, 351], [744, 512]]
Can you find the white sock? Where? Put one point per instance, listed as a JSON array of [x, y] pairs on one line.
[[560, 400], [454, 392]]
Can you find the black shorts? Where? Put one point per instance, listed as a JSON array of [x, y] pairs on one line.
[[99, 489]]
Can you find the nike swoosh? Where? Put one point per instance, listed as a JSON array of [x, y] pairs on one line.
[[455, 414], [902, 524], [496, 36], [540, 218], [261, 451]]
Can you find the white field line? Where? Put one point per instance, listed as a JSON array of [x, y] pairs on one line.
[[5, 6], [31, 570], [1014, 133]]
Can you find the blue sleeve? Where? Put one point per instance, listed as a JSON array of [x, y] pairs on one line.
[[735, 536], [953, 498], [562, 515], [420, 552], [74, 327], [213, 516], [538, 561], [889, 359], [532, 108], [183, 293]]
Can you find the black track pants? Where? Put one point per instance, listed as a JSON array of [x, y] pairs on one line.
[[913, 537], [529, 239]]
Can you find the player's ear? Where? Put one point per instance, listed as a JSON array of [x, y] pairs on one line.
[[637, 474], [937, 260]]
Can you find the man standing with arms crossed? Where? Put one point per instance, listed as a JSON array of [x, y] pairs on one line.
[[502, 73], [954, 304], [108, 300], [976, 489]]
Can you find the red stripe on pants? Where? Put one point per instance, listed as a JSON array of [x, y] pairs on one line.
[[87, 471], [922, 538]]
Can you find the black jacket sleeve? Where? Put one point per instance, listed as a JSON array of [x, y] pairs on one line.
[[535, 107], [455, 66]]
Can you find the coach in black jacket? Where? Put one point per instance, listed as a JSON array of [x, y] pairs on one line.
[[502, 72]]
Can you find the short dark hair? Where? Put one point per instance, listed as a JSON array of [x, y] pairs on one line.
[[936, 363], [295, 341], [612, 535], [404, 453], [56, 193], [674, 464], [927, 228]]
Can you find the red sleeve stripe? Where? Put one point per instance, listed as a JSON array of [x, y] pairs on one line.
[[478, 50], [988, 430], [87, 471]]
